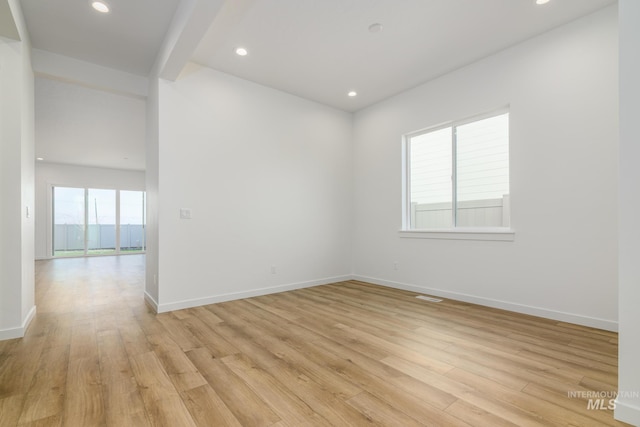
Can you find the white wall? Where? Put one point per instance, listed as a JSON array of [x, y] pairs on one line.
[[152, 181], [17, 305], [628, 403], [27, 180], [81, 125], [65, 68], [268, 178], [562, 92], [59, 175]]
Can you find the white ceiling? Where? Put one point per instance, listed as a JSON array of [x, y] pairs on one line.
[[316, 49], [321, 49], [127, 38]]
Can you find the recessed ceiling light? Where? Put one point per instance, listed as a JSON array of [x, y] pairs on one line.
[[352, 93], [241, 51], [542, 1], [39, 159], [375, 28], [100, 6]]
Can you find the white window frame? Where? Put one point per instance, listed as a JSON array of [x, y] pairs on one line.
[[455, 232]]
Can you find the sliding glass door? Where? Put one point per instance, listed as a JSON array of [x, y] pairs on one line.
[[101, 221], [89, 221], [132, 221], [68, 221]]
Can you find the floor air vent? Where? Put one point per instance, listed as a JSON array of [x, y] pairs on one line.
[[428, 298]]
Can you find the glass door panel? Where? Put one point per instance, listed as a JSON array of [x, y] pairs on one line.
[[68, 221], [101, 221], [98, 222], [132, 221]]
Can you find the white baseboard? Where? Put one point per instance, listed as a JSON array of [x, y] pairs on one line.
[[7, 334], [151, 302], [627, 413], [27, 320], [593, 322], [179, 305], [608, 325]]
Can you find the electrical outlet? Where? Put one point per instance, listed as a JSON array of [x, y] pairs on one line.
[[185, 213], [273, 269], [395, 265]]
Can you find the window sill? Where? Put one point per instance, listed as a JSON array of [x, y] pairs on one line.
[[487, 234]]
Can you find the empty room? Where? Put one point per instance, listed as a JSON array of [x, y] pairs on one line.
[[319, 213]]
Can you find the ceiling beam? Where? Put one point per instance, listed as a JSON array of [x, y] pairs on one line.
[[8, 27], [190, 22]]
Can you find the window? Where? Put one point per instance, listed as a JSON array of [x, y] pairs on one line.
[[132, 221], [88, 221], [457, 176]]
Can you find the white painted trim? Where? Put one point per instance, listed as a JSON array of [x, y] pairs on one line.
[[577, 319], [27, 320], [593, 322], [179, 305], [7, 334], [151, 302], [492, 234], [627, 413]]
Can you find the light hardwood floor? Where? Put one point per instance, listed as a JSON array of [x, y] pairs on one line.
[[336, 355]]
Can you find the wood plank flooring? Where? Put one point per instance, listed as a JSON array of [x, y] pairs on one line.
[[346, 354]]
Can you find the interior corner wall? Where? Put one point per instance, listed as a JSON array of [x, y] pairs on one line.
[[61, 175], [152, 267], [17, 302], [267, 177], [628, 401], [563, 96]]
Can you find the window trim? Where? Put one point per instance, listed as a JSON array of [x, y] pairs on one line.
[[496, 234], [452, 233]]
